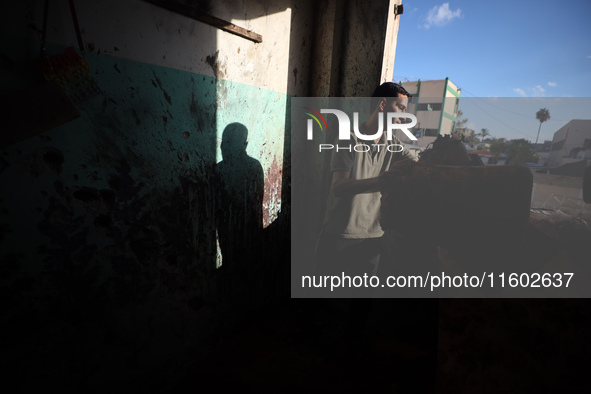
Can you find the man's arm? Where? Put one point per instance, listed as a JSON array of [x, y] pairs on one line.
[[342, 185]]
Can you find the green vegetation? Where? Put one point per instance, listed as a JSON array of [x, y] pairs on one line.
[[519, 153], [483, 134], [498, 145], [542, 115]]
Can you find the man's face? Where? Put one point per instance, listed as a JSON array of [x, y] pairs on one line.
[[398, 104]]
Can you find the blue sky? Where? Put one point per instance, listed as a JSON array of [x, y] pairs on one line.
[[522, 48]]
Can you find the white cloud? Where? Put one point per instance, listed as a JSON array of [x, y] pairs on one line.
[[552, 84], [440, 16], [589, 57], [538, 91], [521, 92]]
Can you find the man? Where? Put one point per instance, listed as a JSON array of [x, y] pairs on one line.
[[350, 240]]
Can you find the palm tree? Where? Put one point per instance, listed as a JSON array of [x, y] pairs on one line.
[[483, 134], [542, 115]]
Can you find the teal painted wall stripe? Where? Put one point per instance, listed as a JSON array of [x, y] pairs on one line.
[[418, 95], [159, 124], [452, 91], [149, 109], [442, 106], [448, 116]]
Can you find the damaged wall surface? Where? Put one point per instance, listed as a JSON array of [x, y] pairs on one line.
[[109, 221], [113, 225]]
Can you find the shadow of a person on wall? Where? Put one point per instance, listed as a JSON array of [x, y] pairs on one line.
[[238, 209]]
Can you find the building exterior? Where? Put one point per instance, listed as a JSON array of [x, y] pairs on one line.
[[543, 151], [562, 188], [571, 143], [488, 158], [435, 104]]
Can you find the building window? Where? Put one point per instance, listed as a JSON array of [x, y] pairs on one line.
[[431, 132], [429, 107]]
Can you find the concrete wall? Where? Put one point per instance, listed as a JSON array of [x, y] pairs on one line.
[[352, 43], [109, 221], [354, 47], [113, 224], [432, 91], [391, 39], [366, 24], [411, 87], [450, 101], [424, 142], [446, 126], [574, 134], [429, 119]]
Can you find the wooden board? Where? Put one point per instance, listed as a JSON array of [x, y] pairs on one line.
[[208, 19]]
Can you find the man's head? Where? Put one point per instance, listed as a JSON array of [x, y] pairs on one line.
[[234, 141], [389, 97]]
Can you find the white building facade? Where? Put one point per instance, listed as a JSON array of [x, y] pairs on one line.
[[435, 104], [571, 143]]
